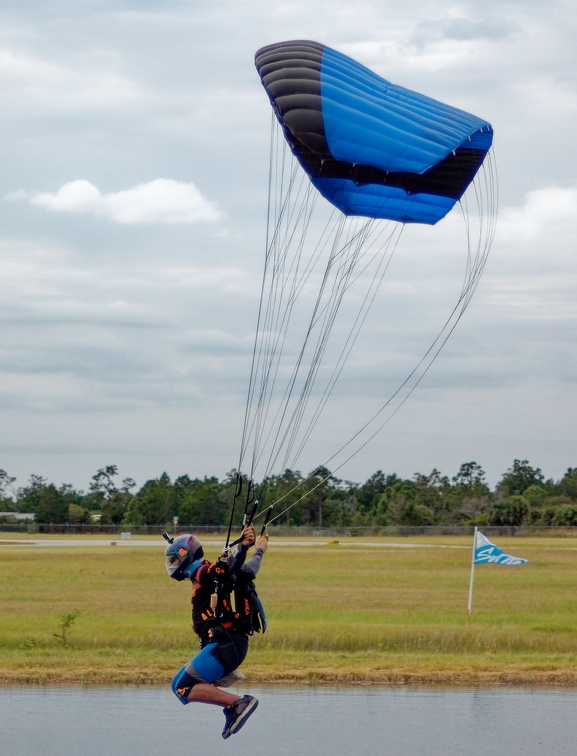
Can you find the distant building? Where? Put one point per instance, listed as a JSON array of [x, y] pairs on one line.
[[17, 516]]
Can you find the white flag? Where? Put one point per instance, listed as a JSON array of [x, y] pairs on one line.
[[487, 553]]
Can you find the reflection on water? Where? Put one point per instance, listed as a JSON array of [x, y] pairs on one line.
[[64, 721]]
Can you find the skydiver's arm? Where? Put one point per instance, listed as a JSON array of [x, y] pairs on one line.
[[253, 565], [236, 559], [237, 556]]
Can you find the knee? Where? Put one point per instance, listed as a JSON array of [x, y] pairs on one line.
[[182, 684]]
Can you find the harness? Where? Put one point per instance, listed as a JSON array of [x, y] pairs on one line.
[[233, 605]]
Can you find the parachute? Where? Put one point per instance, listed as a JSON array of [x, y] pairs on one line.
[[382, 157], [370, 147]]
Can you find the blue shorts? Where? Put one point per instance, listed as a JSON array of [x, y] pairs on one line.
[[210, 664]]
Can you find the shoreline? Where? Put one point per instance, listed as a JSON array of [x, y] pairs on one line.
[[452, 679]]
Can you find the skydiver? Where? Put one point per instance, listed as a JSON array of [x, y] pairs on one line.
[[225, 612]]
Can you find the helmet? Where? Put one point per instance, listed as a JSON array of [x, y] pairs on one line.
[[181, 553]]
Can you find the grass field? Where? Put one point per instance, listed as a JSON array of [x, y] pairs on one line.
[[338, 613]]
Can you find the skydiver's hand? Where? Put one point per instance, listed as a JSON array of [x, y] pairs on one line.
[[248, 536], [262, 543]]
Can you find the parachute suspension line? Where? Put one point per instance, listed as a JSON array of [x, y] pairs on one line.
[[485, 193], [251, 383], [351, 255], [237, 493], [342, 268], [416, 375], [289, 210], [283, 404], [484, 190], [389, 246], [265, 333], [279, 289], [276, 446], [250, 507], [283, 293], [343, 282]]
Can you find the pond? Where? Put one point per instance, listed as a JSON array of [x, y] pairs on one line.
[[79, 721]]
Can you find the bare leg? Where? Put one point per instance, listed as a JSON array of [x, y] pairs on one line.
[[206, 693]]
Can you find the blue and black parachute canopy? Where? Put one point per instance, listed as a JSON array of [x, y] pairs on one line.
[[370, 147]]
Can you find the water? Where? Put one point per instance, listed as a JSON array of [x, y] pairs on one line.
[[65, 721]]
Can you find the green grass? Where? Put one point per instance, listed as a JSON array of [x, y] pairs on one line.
[[344, 613]]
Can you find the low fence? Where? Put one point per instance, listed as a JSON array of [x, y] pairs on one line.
[[398, 531]]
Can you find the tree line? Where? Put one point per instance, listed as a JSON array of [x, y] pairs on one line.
[[522, 497]]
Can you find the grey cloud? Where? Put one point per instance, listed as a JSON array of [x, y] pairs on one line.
[[463, 28]]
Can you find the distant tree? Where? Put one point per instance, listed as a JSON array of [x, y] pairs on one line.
[[371, 491], [564, 514], [518, 478], [78, 515], [397, 499], [104, 485], [472, 477], [103, 481], [432, 492], [510, 511], [325, 498], [285, 492], [201, 502], [29, 496], [554, 511], [113, 509], [414, 514], [7, 492], [154, 504], [236, 494], [469, 496], [105, 495], [50, 505], [536, 495], [71, 495], [567, 486], [380, 514], [472, 511], [522, 496]]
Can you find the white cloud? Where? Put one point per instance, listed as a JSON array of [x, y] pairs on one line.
[[158, 201], [527, 300], [544, 210]]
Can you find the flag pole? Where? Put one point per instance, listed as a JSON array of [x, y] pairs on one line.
[[471, 580]]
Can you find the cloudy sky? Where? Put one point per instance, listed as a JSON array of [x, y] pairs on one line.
[[133, 186]]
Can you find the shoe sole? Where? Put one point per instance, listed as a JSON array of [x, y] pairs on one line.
[[239, 723]]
